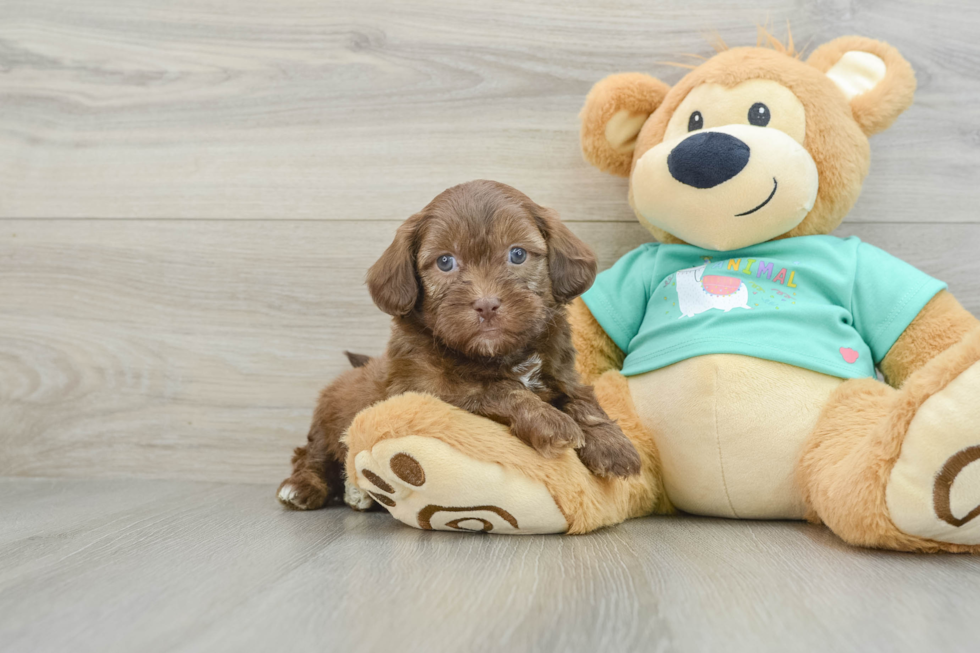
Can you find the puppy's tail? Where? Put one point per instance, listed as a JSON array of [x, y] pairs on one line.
[[357, 360]]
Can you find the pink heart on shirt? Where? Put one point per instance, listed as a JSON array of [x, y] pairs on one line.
[[849, 354]]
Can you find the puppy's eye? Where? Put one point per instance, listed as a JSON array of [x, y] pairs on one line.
[[517, 255], [695, 122], [759, 115], [446, 263]]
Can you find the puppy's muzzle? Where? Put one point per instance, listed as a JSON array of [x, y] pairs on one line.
[[486, 308]]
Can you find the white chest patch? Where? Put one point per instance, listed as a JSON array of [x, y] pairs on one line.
[[530, 372]]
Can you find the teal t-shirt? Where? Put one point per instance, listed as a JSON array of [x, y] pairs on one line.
[[822, 303]]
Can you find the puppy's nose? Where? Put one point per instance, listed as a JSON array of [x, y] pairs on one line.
[[707, 159], [486, 306]]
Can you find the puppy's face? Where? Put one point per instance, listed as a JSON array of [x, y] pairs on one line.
[[487, 265], [484, 276]]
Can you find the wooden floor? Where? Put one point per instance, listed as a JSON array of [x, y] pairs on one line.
[[150, 566], [190, 194]]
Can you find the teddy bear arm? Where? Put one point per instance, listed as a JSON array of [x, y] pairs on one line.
[[942, 323], [596, 353]]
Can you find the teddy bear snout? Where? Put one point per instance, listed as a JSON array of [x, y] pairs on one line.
[[707, 159]]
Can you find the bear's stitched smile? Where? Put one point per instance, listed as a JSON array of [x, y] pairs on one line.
[[774, 186]]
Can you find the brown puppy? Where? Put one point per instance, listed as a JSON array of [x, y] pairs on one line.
[[477, 283]]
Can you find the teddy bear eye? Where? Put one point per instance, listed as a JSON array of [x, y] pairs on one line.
[[759, 115], [446, 263], [695, 122]]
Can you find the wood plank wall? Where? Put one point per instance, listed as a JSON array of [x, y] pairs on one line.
[[191, 191]]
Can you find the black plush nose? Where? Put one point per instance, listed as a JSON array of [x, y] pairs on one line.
[[707, 159]]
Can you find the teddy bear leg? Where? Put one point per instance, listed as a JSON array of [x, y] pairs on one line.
[[436, 467], [900, 469]]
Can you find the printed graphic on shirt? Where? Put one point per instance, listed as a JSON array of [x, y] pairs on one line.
[[698, 290], [849, 355]]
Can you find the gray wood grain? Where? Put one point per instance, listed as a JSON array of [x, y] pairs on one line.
[[195, 349], [190, 195], [176, 566], [349, 110]]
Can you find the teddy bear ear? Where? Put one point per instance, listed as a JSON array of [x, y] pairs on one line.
[[877, 81], [614, 112]]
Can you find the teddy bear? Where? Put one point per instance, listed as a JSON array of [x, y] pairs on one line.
[[739, 351]]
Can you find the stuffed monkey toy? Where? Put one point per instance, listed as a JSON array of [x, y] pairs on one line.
[[739, 352]]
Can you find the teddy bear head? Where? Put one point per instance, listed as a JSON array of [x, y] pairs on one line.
[[752, 145]]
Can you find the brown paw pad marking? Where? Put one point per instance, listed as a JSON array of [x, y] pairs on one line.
[[485, 526], [426, 514], [382, 499], [944, 485], [378, 481], [407, 469]]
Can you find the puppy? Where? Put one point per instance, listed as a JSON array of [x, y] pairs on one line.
[[477, 284]]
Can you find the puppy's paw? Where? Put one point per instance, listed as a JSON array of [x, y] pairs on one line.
[[607, 452], [549, 431], [356, 498], [299, 493]]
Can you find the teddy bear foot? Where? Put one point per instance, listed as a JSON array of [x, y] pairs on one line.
[[934, 488], [426, 483], [900, 469]]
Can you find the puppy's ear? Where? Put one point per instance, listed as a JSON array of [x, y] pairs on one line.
[[571, 263], [392, 280]]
